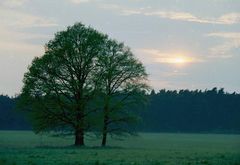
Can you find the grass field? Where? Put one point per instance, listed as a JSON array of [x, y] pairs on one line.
[[24, 147]]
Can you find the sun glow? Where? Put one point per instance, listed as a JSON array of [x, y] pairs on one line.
[[171, 58], [179, 60]]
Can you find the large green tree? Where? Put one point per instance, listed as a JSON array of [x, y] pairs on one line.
[[80, 66], [122, 86], [59, 85]]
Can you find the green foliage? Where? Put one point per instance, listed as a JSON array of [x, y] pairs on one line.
[[58, 85], [123, 83], [61, 87]]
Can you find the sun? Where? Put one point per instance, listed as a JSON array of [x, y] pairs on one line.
[[177, 60]]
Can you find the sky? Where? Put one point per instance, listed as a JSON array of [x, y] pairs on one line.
[[183, 44]]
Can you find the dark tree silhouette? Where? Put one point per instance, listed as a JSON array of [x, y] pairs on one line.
[[193, 111], [59, 85], [123, 82], [79, 64], [10, 119], [167, 111]]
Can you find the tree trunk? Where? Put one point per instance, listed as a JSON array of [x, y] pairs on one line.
[[79, 128], [104, 133], [105, 122], [79, 137]]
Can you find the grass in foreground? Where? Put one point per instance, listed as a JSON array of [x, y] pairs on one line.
[[25, 148]]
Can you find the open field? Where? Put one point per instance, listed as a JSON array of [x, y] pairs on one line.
[[23, 147]]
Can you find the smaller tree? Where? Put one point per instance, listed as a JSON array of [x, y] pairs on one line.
[[122, 86]]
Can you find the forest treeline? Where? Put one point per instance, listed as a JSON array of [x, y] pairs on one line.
[[10, 118], [209, 111]]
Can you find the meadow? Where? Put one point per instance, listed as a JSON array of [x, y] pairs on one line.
[[26, 148]]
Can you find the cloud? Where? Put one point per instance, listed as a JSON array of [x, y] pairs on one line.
[[227, 19], [15, 36], [13, 3], [79, 1], [20, 48], [123, 10], [15, 43], [227, 35], [231, 18], [174, 73], [232, 41], [224, 50], [8, 35], [12, 14], [157, 56], [23, 20], [159, 84], [15, 56]]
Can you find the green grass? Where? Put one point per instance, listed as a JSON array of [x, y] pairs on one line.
[[26, 148]]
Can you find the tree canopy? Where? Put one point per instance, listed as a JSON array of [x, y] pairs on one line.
[[122, 85], [60, 87]]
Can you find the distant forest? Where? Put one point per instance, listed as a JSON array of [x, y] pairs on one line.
[[10, 118], [209, 111]]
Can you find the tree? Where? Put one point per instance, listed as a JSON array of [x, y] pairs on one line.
[[59, 85], [123, 83]]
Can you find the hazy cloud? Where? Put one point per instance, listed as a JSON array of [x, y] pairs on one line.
[[156, 56], [231, 42], [227, 35], [17, 42], [231, 18], [228, 18], [174, 73], [79, 1], [12, 3], [15, 55], [191, 37], [20, 19]]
